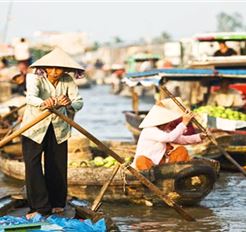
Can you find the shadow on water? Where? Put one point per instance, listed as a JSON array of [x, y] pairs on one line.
[[222, 210]]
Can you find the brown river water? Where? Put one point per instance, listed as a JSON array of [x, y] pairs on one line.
[[224, 209]]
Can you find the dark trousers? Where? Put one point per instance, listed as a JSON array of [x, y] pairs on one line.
[[46, 188]]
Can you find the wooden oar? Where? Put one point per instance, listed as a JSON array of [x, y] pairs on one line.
[[13, 111], [209, 135], [140, 177], [10, 129], [97, 202], [25, 127]]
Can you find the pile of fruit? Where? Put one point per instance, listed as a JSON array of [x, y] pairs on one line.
[[221, 112], [98, 161]]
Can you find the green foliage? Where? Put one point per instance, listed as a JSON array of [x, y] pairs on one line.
[[227, 23], [162, 38], [117, 40], [37, 53]]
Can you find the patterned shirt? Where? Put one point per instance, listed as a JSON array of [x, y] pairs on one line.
[[39, 88]]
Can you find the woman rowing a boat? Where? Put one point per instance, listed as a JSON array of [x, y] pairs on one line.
[[50, 86], [162, 138]]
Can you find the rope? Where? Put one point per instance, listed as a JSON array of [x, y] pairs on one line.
[[123, 169]]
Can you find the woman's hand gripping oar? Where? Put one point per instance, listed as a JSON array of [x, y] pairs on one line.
[[209, 135], [140, 177]]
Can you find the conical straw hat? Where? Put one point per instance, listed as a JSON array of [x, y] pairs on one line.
[[159, 115], [168, 103], [57, 58]]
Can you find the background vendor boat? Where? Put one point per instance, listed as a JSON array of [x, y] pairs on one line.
[[208, 76]]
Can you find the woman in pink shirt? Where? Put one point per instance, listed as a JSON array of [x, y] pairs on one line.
[[162, 140]]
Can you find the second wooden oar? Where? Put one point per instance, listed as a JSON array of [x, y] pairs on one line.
[[210, 136], [13, 111], [140, 177], [11, 129], [25, 127]]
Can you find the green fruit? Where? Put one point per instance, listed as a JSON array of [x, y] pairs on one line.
[[99, 163], [98, 158], [223, 115], [128, 159], [109, 164], [109, 159], [220, 108]]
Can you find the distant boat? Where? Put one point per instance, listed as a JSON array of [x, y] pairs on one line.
[[83, 83]]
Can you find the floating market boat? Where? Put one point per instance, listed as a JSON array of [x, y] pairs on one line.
[[221, 62], [133, 120], [83, 83], [159, 76], [187, 183], [235, 145]]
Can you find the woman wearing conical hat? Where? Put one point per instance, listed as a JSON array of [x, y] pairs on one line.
[[49, 86], [162, 138]]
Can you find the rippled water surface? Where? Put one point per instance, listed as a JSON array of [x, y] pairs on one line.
[[224, 209]]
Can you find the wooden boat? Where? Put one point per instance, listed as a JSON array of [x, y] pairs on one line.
[[186, 182], [158, 76], [235, 145], [83, 83], [133, 120], [76, 209], [10, 110]]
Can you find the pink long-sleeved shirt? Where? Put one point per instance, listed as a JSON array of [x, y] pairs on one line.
[[152, 141]]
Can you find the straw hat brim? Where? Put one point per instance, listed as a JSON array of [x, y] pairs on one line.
[[159, 115], [57, 58], [168, 103]]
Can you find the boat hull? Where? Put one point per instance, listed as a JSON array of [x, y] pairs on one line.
[[186, 183], [235, 145], [133, 121]]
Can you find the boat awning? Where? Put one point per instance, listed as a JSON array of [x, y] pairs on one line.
[[232, 73], [153, 77], [146, 81], [221, 36]]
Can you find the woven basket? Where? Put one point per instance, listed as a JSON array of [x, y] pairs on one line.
[[77, 144]]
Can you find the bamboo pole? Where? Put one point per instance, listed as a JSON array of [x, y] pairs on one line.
[[97, 202], [139, 176], [209, 135], [25, 127], [135, 100]]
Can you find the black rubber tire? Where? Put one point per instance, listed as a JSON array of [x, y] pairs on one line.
[[187, 173]]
